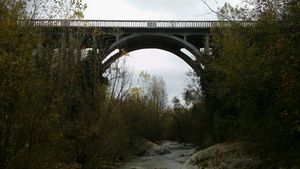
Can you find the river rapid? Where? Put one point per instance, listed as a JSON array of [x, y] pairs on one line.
[[179, 153]]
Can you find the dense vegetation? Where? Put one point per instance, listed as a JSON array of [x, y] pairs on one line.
[[250, 84], [57, 110]]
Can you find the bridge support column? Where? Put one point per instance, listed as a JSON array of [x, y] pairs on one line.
[[206, 44]]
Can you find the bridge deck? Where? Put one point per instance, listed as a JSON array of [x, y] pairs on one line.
[[133, 23]]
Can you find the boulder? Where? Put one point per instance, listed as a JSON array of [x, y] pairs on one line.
[[225, 156], [149, 148]]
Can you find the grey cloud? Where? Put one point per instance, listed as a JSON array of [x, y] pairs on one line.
[[175, 7], [163, 4], [193, 9]]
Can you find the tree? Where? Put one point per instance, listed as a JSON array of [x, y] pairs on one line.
[[157, 93], [29, 118], [55, 9], [143, 108], [249, 85]]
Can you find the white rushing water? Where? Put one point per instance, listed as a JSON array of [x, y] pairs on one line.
[[174, 160]]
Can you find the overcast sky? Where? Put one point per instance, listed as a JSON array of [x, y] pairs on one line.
[[155, 61]]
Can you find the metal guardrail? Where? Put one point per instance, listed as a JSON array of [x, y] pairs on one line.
[[131, 23]]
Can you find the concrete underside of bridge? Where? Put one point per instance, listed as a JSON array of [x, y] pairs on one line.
[[107, 40]]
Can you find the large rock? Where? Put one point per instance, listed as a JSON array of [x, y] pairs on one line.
[[224, 156], [149, 148]]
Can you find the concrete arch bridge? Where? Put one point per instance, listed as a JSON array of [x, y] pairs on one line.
[[110, 38]]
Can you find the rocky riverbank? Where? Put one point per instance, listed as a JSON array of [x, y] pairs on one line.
[[166, 155], [148, 148], [223, 156], [229, 156], [174, 155]]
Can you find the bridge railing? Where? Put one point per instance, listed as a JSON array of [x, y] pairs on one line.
[[132, 24]]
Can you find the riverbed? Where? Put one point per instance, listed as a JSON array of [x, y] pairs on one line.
[[179, 153]]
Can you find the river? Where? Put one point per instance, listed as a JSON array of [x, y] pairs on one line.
[[175, 160]]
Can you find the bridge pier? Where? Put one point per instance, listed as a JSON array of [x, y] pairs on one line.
[[206, 44]]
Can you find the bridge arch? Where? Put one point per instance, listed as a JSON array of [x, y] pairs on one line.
[[165, 42]]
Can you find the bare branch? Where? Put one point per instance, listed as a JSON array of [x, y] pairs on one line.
[[212, 10]]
